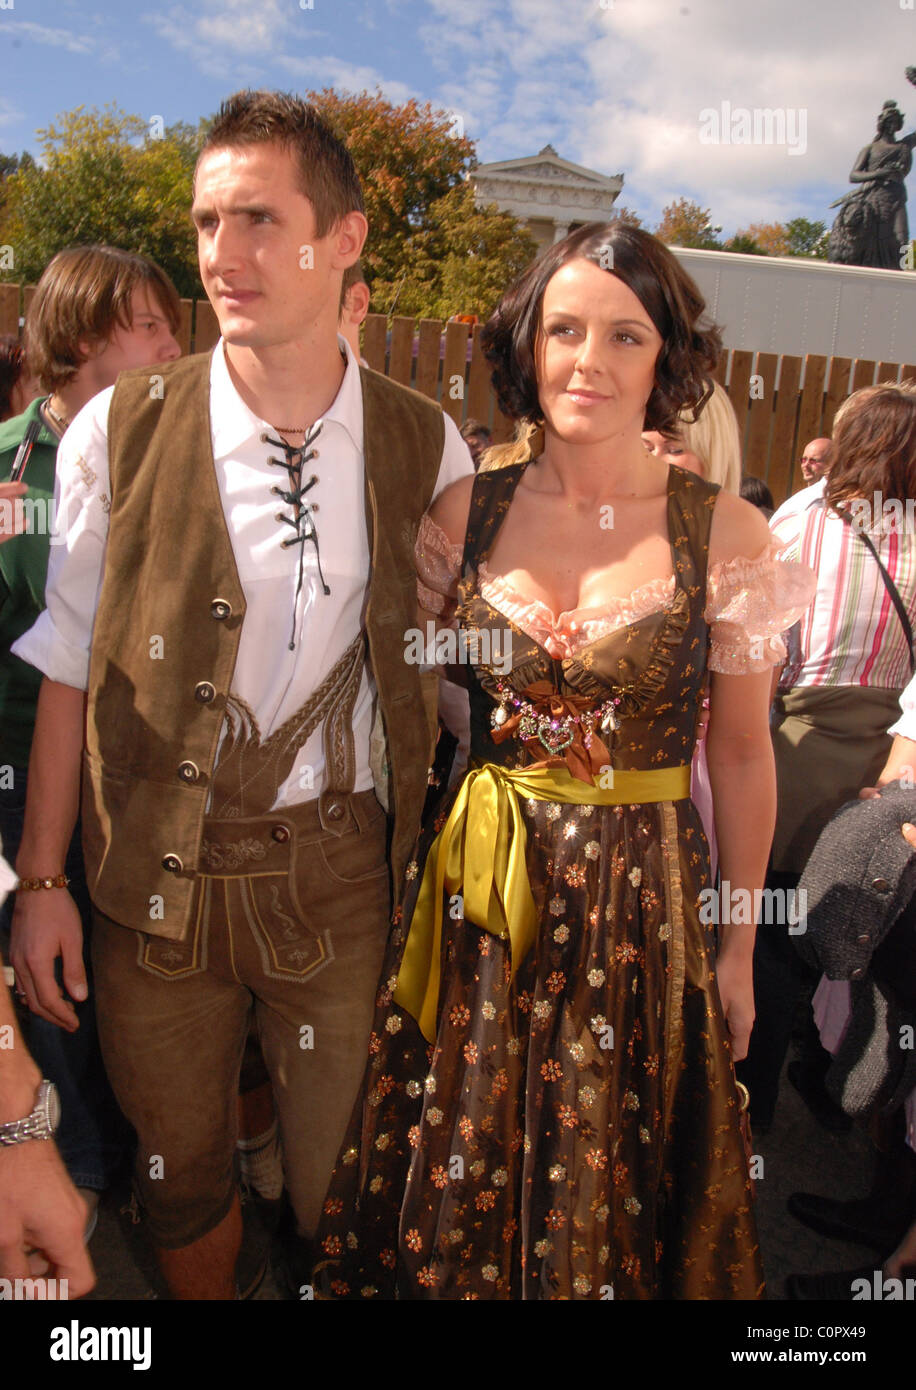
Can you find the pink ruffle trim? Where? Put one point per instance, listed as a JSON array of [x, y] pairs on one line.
[[750, 602]]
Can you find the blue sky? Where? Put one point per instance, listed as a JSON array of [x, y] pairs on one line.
[[618, 85]]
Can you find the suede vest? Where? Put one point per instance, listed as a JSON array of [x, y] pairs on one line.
[[168, 625]]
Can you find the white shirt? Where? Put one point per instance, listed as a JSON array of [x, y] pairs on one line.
[[851, 634], [906, 724], [272, 680]]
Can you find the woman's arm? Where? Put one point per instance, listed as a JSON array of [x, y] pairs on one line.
[[742, 775]]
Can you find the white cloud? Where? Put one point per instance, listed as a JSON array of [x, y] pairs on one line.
[[56, 38], [621, 89]]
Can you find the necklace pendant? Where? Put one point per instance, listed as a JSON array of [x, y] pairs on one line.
[[498, 717], [609, 722]]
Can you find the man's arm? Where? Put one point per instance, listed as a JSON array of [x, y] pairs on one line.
[[46, 921], [40, 1209]]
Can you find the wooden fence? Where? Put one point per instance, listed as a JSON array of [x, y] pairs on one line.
[[781, 402]]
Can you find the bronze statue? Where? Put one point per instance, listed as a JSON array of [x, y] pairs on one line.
[[871, 227]]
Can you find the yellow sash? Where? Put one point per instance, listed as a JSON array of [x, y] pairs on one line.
[[480, 854]]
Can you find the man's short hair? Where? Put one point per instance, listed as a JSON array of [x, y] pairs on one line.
[[327, 174], [86, 292]]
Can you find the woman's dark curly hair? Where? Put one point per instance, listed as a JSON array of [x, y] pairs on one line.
[[690, 345]]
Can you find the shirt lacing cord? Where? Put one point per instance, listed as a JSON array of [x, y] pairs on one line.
[[302, 521]]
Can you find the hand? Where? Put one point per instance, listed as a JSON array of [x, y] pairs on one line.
[[735, 978], [46, 924], [909, 833], [12, 519], [42, 1218]]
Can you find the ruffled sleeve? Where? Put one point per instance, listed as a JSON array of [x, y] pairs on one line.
[[438, 568], [750, 603]]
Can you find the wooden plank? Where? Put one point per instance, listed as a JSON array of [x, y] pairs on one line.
[[375, 334], [430, 342], [909, 372], [479, 382], [810, 410], [863, 373], [721, 368], [837, 391], [760, 413], [782, 444], [206, 326], [454, 370], [888, 371], [183, 333], [400, 361], [9, 309], [738, 387], [28, 294]]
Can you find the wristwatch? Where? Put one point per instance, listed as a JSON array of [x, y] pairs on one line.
[[42, 1122]]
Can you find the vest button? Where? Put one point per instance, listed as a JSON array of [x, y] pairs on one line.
[[189, 772], [280, 833], [880, 885], [172, 864], [863, 940], [335, 811], [856, 974], [204, 692], [221, 608]]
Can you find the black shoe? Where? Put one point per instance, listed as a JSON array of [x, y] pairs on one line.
[[835, 1287], [863, 1221], [822, 1106]]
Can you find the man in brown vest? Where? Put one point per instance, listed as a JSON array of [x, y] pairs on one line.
[[231, 605]]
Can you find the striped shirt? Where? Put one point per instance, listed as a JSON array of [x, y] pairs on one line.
[[851, 634]]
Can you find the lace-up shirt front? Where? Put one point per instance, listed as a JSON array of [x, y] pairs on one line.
[[273, 680]]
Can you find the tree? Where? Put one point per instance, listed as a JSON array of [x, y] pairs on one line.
[[770, 237], [625, 215], [113, 177], [407, 157], [107, 177], [807, 238], [744, 243], [459, 263], [685, 223]]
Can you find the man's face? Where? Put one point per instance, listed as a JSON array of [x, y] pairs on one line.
[[270, 279], [148, 342], [814, 460]]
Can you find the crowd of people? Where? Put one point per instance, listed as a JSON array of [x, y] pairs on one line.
[[417, 954]]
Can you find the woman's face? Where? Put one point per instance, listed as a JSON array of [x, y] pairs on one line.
[[670, 450], [595, 355]]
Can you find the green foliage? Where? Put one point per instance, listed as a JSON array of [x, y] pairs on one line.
[[745, 244], [104, 179], [807, 238], [460, 262]]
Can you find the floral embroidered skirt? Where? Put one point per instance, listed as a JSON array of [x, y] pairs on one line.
[[573, 1133]]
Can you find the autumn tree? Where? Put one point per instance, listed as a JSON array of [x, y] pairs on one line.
[[685, 223], [461, 261], [771, 237]]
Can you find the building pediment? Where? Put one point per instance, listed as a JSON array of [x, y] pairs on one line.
[[547, 166]]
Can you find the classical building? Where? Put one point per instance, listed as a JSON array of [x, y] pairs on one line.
[[551, 195]]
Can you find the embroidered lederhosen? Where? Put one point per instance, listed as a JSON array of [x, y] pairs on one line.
[[248, 852]]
